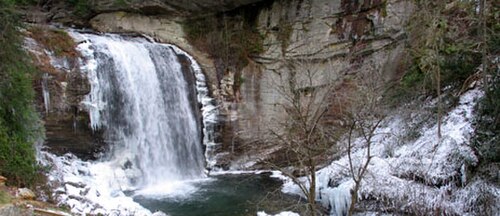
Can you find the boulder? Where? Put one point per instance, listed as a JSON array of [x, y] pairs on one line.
[[2, 181], [25, 193]]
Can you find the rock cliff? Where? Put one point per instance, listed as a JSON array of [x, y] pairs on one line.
[[338, 40], [172, 7], [79, 11]]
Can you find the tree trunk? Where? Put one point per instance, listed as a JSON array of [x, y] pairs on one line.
[[440, 106], [312, 190], [354, 198], [484, 40]]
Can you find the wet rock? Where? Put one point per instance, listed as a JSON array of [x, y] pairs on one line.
[[60, 88], [78, 87], [190, 79], [70, 133]]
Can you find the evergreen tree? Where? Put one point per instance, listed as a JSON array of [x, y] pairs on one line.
[[19, 123]]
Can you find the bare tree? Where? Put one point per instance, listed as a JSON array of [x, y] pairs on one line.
[[306, 139], [427, 43], [363, 117], [308, 134]]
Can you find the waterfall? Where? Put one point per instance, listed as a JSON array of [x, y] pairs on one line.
[[46, 92], [141, 100]]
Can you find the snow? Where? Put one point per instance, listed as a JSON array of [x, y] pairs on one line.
[[85, 187], [422, 175], [285, 213]]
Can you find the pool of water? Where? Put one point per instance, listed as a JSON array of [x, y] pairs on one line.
[[225, 195]]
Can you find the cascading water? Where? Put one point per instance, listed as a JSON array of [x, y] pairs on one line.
[[140, 99], [45, 93], [146, 104]]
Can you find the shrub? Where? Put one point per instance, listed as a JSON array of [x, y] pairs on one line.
[[442, 55], [4, 197], [487, 137], [19, 123], [81, 7], [56, 40], [230, 38]]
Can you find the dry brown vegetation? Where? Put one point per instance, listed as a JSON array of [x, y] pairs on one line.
[[57, 41]]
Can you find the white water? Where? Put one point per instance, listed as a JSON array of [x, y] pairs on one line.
[[140, 99], [46, 93], [208, 109]]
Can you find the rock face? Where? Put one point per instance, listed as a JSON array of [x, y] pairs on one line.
[[77, 12], [337, 40], [172, 7], [60, 88], [12, 210]]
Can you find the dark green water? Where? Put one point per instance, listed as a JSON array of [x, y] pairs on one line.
[[227, 195]]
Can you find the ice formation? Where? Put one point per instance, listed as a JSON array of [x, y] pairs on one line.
[[420, 175]]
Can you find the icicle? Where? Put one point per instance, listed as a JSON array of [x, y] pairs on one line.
[[338, 199], [46, 93]]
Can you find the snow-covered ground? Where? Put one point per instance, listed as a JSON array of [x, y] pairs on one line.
[[85, 188], [285, 213], [422, 175]]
